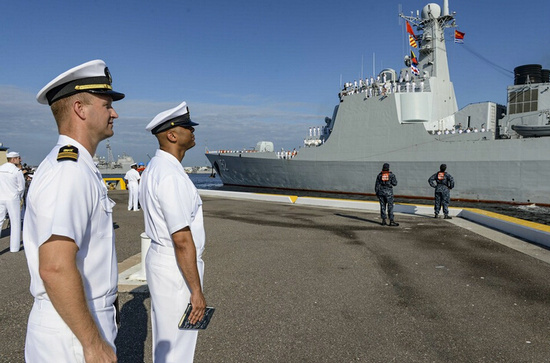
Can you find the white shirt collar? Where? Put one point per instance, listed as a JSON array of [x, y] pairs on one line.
[[171, 158]]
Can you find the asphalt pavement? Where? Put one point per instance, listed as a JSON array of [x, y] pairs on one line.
[[293, 283]]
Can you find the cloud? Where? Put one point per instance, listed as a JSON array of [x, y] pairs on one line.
[[29, 128]]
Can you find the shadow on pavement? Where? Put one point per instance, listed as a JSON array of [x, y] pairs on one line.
[[357, 218], [132, 334]]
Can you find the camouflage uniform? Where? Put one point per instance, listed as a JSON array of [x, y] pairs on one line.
[[384, 191], [443, 182]]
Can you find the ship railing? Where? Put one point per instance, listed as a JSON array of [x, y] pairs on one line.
[[231, 151], [313, 142], [383, 89], [471, 130], [287, 154]]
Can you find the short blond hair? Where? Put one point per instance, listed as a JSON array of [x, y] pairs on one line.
[[60, 108]]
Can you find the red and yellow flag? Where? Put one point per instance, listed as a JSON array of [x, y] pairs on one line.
[[412, 42], [410, 30], [459, 36], [413, 58]]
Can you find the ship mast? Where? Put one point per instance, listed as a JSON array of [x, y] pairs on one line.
[[110, 158], [432, 61], [433, 52]]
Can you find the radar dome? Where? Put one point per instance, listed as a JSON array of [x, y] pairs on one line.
[[433, 9]]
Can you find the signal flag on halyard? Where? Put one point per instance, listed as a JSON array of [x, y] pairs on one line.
[[415, 70], [413, 58], [459, 37], [410, 30], [412, 42]]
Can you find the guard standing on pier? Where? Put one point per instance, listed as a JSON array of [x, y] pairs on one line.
[[385, 181], [443, 182]]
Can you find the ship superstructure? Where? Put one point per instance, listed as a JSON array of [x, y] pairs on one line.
[[410, 119], [109, 166]]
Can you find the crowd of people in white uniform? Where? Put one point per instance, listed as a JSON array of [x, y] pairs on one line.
[[286, 154], [459, 130], [68, 232], [382, 86], [317, 136]]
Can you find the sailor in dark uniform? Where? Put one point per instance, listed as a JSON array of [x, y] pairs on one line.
[[443, 182], [385, 181]]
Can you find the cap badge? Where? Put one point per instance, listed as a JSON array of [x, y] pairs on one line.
[[108, 75]]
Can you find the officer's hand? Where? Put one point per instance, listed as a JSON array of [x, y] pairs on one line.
[[100, 353], [199, 306]]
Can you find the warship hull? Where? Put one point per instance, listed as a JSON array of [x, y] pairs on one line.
[[484, 168], [109, 167]]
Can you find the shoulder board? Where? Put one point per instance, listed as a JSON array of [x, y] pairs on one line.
[[67, 152]]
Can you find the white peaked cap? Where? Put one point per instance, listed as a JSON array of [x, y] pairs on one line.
[[92, 77], [177, 116]]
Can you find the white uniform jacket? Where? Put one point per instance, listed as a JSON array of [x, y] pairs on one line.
[[12, 186], [69, 198], [12, 182], [132, 176], [170, 202]]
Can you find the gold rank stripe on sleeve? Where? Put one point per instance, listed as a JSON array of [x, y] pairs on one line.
[[93, 86], [68, 152]]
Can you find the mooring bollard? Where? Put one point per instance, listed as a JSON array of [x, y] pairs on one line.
[[145, 243]]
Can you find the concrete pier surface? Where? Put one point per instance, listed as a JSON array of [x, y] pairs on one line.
[[302, 283]]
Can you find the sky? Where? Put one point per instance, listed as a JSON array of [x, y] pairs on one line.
[[249, 70]]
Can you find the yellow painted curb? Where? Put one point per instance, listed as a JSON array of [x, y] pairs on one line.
[[292, 198], [521, 222]]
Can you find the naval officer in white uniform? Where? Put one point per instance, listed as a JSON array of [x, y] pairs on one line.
[[12, 186], [132, 178], [68, 231], [172, 210]]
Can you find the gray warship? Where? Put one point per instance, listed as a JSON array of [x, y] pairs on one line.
[[108, 167], [410, 119]]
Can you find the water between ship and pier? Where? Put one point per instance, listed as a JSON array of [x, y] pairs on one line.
[[527, 212]]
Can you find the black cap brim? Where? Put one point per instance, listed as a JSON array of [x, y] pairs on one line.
[[183, 120], [116, 96]]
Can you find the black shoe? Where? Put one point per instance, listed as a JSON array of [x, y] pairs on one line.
[[384, 222], [447, 217], [435, 216], [394, 224]]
